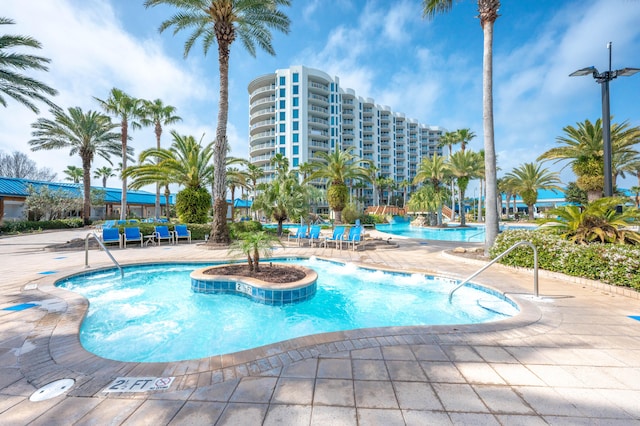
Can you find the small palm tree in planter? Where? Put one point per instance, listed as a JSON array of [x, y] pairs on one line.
[[254, 244]]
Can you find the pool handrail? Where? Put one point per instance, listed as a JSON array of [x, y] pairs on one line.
[[500, 256], [106, 250]]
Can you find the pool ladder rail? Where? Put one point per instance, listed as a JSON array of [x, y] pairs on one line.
[[500, 256], [106, 250]]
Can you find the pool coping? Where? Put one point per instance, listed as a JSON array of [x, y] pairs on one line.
[[67, 358]]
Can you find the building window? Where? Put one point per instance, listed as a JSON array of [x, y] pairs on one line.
[[295, 101], [295, 89], [295, 149], [295, 125], [296, 113], [282, 128], [282, 93], [295, 77], [282, 116], [295, 162], [295, 138], [282, 140], [283, 80], [282, 104]]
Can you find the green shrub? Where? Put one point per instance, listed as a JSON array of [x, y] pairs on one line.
[[238, 228], [350, 213], [13, 227], [192, 205], [614, 264], [371, 219]]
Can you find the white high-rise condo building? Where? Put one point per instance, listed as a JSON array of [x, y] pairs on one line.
[[299, 111]]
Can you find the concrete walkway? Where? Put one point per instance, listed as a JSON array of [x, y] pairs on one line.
[[571, 356]]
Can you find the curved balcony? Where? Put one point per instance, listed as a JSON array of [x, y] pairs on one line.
[[318, 99], [271, 88], [317, 110], [262, 148], [263, 125], [316, 122], [261, 101], [263, 113], [260, 136], [316, 87]]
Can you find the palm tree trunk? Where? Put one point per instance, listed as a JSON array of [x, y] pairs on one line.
[[158, 131], [491, 225], [86, 184], [219, 229], [123, 198]]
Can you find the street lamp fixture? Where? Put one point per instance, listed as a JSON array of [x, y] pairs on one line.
[[603, 78]]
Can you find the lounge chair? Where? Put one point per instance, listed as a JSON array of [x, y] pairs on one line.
[[110, 236], [314, 235], [162, 233], [336, 237], [355, 236], [133, 235], [181, 231], [300, 233]]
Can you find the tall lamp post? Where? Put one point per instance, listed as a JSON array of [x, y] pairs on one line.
[[604, 78]]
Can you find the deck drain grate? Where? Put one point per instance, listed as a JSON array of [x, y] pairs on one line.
[[52, 390]]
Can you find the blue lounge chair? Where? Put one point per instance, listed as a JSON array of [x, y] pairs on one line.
[[336, 237], [300, 233], [181, 231], [314, 235], [110, 236], [355, 236], [109, 224], [133, 235], [162, 233]]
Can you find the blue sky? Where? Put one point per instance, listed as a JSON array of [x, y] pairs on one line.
[[429, 70]]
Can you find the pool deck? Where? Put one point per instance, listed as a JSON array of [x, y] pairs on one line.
[[572, 356]]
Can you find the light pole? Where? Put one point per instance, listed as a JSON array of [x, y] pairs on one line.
[[604, 78]]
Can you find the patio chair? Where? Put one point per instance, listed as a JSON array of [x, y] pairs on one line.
[[314, 235], [133, 235], [181, 231], [336, 237], [110, 236], [162, 233], [300, 233], [354, 237], [109, 224]]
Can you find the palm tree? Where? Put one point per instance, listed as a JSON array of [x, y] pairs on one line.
[[13, 83], [583, 148], [254, 174], [127, 110], [372, 177], [338, 167], [435, 171], [284, 197], [157, 114], [104, 173], [186, 163], [528, 178], [448, 139], [464, 165], [74, 174], [404, 185], [464, 136], [85, 134], [252, 245], [488, 13], [221, 21], [236, 178]]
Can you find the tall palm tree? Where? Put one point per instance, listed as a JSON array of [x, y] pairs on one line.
[[236, 178], [528, 179], [448, 139], [84, 134], [104, 173], [254, 174], [157, 114], [337, 168], [583, 148], [128, 110], [222, 21], [464, 136], [74, 174], [464, 165], [488, 13], [13, 83], [434, 170]]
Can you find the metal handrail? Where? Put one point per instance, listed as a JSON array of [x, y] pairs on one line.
[[500, 256], [474, 235], [106, 250]]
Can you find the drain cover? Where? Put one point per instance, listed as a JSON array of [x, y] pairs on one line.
[[52, 390]]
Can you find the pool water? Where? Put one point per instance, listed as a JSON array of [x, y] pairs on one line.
[[473, 234], [153, 316]]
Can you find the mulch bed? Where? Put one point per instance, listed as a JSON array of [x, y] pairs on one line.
[[268, 273]]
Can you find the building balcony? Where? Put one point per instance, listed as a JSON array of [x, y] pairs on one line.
[[261, 135], [263, 89], [264, 125], [318, 99], [254, 104], [262, 113], [261, 148]]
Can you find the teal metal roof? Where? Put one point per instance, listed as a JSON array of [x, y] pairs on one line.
[[16, 187]]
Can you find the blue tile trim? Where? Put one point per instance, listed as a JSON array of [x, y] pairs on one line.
[[20, 307], [257, 294]]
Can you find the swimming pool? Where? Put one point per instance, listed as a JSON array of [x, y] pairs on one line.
[[153, 316], [474, 234]]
